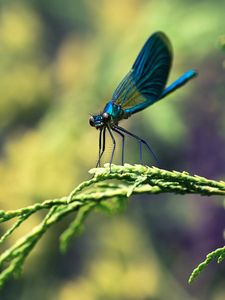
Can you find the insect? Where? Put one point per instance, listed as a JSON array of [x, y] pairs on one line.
[[140, 88]]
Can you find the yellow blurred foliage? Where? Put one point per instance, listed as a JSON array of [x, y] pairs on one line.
[[120, 269], [20, 29]]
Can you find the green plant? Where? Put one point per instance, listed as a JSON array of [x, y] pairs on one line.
[[101, 193]]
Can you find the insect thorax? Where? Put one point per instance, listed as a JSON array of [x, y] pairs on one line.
[[115, 111]]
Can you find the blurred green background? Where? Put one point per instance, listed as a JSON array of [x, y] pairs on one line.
[[59, 62]]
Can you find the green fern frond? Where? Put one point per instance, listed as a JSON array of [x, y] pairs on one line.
[[101, 193]]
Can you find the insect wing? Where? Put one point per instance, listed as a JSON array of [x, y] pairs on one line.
[[146, 81]]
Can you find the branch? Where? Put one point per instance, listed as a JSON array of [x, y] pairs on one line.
[[97, 192]]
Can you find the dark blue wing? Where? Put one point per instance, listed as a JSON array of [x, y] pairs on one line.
[[144, 84]]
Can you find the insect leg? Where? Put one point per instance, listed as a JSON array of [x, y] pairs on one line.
[[140, 152], [101, 146], [123, 140], [141, 141], [114, 146]]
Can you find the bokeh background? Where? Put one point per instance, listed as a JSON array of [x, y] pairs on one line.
[[59, 62]]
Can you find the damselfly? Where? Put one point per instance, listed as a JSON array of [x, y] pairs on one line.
[[140, 88]]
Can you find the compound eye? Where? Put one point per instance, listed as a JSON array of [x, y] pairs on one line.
[[105, 116], [92, 121]]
